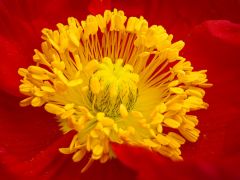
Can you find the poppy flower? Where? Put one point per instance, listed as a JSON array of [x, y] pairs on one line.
[[29, 144]]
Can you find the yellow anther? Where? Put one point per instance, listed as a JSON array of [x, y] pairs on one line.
[[61, 76], [101, 23], [173, 83], [74, 31], [194, 103], [161, 108], [26, 102], [117, 21], [162, 139], [159, 128], [78, 155], [94, 134], [69, 106], [59, 65], [104, 158], [97, 151], [171, 123], [48, 89], [178, 45], [26, 88], [95, 85], [123, 111], [195, 92], [39, 93], [67, 114], [158, 118], [100, 116], [65, 150], [150, 143], [91, 66], [22, 72], [192, 119], [41, 58], [37, 101], [91, 25], [131, 24], [190, 134], [175, 106], [174, 144], [176, 90], [60, 86], [106, 121], [40, 77], [107, 131], [36, 70], [54, 109], [177, 137]]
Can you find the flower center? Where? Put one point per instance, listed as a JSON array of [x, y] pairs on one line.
[[113, 79], [112, 85]]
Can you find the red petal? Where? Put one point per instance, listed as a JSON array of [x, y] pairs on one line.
[[150, 165], [99, 6], [178, 17], [25, 131], [20, 32], [13, 56], [44, 164], [112, 169], [214, 46], [50, 11]]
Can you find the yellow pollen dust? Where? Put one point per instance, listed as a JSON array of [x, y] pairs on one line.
[[113, 79]]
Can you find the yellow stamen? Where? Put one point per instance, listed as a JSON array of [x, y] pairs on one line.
[[115, 79]]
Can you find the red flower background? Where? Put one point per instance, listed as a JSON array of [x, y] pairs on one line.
[[29, 137]]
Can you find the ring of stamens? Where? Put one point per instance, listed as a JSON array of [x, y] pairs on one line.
[[109, 80]]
